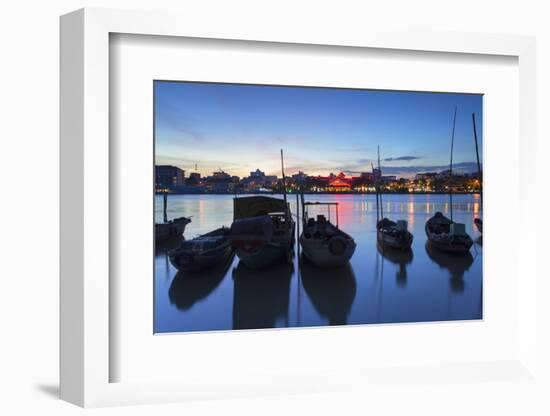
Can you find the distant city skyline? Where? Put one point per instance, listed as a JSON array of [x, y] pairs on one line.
[[240, 128]]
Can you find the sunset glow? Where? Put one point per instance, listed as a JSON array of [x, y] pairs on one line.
[[206, 127]]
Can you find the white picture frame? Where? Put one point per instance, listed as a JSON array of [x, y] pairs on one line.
[[85, 206]]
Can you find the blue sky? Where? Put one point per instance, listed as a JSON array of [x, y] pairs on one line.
[[238, 128]]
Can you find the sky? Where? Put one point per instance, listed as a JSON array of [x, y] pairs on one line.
[[239, 128]]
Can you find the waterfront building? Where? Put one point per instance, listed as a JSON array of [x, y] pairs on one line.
[[339, 183], [194, 179], [258, 180], [425, 176], [257, 174], [388, 179], [219, 182], [220, 176], [168, 177], [367, 176], [299, 178], [363, 183]]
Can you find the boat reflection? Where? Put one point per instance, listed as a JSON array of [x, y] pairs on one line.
[[331, 291], [261, 297], [399, 257], [457, 265], [187, 288]]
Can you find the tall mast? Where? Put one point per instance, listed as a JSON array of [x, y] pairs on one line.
[[376, 189], [451, 164], [477, 157], [284, 185], [164, 205], [380, 193]]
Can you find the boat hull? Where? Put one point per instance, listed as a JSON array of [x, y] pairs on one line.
[[444, 241], [265, 256], [319, 253], [171, 230], [447, 247], [399, 242], [192, 262]]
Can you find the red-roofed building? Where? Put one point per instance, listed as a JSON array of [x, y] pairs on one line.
[[339, 183]]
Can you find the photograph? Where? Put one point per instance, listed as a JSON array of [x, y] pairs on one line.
[[282, 206]]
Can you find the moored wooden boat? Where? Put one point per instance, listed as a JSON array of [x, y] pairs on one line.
[[389, 234], [323, 243], [202, 252], [446, 235], [443, 233], [394, 235], [262, 232], [172, 229]]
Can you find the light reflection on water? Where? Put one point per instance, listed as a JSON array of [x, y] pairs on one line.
[[378, 286]]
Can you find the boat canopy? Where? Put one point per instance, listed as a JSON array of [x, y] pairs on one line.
[[254, 206]]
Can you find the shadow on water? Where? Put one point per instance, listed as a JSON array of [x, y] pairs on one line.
[[479, 241], [187, 288], [399, 257], [331, 291], [456, 264], [261, 297]]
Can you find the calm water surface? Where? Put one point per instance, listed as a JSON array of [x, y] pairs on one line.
[[376, 287]]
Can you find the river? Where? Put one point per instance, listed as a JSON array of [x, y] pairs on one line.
[[376, 287]]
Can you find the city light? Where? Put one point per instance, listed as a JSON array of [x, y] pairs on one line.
[[173, 179]]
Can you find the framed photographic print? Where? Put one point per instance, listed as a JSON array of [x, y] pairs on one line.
[[270, 211], [249, 236]]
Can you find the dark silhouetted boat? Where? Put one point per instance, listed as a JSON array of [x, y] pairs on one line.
[[202, 252], [443, 233], [447, 235], [390, 234], [394, 235], [263, 229], [170, 230], [262, 232], [323, 243]]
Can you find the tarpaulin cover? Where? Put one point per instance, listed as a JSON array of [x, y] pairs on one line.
[[252, 229], [253, 206]]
